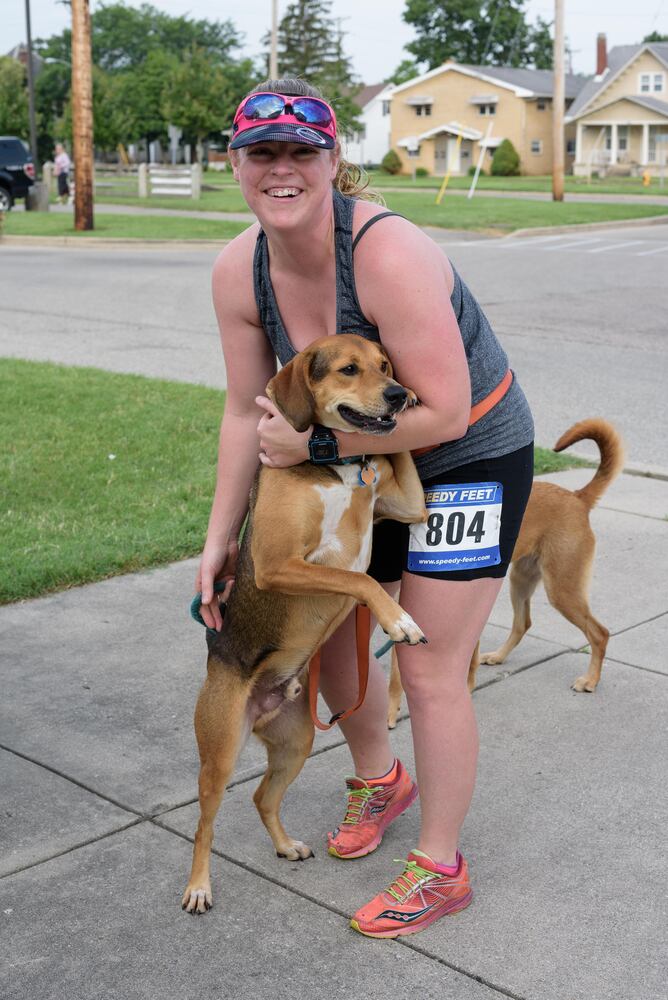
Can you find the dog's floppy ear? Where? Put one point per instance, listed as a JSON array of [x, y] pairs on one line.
[[290, 392]]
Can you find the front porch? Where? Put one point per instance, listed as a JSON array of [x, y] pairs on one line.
[[453, 148], [622, 148]]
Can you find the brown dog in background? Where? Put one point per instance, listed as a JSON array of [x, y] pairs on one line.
[[555, 544]]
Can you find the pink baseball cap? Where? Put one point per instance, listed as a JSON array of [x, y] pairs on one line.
[[270, 117]]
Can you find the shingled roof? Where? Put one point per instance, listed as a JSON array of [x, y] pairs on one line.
[[539, 81], [618, 58]]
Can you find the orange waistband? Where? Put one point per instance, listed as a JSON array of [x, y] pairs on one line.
[[479, 410]]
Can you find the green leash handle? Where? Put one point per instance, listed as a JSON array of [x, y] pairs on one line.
[[196, 604]]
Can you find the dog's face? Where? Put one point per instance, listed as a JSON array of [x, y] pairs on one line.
[[343, 382]]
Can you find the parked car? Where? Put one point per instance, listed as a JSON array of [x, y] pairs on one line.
[[17, 171]]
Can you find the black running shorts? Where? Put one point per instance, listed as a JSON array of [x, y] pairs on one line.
[[475, 515]]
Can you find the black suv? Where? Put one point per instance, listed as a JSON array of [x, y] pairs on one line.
[[17, 171]]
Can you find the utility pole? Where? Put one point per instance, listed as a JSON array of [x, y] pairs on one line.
[[82, 115], [31, 92], [558, 101], [273, 52]]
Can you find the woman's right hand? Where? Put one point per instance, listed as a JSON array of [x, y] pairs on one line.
[[218, 564]]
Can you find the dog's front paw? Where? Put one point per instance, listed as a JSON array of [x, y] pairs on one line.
[[294, 850], [491, 659], [404, 629], [197, 899], [411, 399]]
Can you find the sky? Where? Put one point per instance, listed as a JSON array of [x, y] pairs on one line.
[[374, 31]]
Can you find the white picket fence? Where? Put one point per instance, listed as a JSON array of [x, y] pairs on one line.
[[157, 180]]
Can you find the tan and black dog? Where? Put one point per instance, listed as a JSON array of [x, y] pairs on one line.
[[555, 544], [301, 569]]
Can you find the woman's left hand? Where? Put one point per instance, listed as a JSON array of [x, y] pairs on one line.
[[280, 444]]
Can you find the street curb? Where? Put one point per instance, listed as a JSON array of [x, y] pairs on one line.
[[650, 220], [110, 241]]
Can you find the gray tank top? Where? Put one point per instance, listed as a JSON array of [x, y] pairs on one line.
[[507, 427]]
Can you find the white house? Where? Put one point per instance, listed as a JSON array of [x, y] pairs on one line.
[[372, 142]]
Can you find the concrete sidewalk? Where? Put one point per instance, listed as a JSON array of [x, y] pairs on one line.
[[565, 838]]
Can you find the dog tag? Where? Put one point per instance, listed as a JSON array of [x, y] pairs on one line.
[[368, 475], [462, 528]]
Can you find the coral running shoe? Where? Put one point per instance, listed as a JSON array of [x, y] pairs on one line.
[[418, 897], [371, 808]]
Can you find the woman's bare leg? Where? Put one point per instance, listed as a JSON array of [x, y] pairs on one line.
[[452, 615], [366, 730]]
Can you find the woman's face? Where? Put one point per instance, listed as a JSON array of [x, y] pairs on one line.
[[285, 183]]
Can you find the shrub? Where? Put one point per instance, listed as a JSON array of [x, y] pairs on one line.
[[391, 164], [506, 160], [471, 172], [422, 172]]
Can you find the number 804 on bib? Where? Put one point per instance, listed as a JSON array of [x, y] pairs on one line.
[[462, 528]]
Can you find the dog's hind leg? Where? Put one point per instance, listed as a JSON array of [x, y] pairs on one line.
[[568, 594], [288, 738], [221, 725], [524, 578]]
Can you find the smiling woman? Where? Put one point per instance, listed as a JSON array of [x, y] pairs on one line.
[[318, 265]]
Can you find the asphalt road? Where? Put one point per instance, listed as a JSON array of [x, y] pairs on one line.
[[583, 317]]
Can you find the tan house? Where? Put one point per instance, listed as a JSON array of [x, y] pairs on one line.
[[621, 115], [483, 105]]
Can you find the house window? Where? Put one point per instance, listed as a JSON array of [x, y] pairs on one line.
[[541, 105], [608, 137], [570, 147], [423, 109], [536, 145], [622, 138], [657, 85], [487, 109], [386, 108], [645, 83]]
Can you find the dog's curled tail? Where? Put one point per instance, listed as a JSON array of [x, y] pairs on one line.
[[612, 455]]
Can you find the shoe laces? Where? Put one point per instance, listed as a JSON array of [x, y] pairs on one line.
[[412, 877], [357, 801]]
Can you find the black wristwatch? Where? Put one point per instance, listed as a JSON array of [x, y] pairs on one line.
[[323, 448]]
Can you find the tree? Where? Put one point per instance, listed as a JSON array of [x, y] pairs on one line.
[[196, 97], [13, 98], [655, 36], [310, 46], [112, 124], [405, 71], [124, 36], [478, 32], [136, 51]]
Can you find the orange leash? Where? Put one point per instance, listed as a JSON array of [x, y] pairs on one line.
[[363, 633], [479, 410]]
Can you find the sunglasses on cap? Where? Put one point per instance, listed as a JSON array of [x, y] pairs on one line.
[[268, 107]]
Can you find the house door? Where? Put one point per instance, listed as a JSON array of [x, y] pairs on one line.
[[441, 155]]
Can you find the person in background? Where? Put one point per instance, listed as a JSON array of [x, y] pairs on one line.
[[63, 165]]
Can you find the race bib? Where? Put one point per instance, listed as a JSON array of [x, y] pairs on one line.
[[462, 529]]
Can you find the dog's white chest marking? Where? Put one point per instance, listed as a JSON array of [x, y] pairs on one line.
[[336, 500]]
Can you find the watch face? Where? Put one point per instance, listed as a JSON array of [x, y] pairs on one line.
[[323, 451]]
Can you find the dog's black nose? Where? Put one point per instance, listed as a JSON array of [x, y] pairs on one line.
[[395, 395]]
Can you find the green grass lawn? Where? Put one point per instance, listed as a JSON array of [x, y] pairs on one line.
[[103, 474], [135, 227], [507, 214], [501, 215], [580, 185]]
